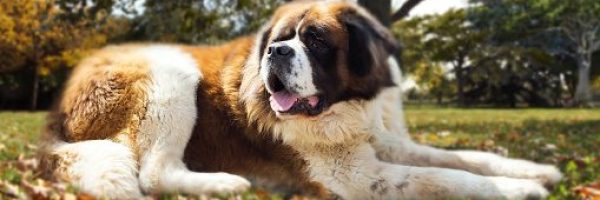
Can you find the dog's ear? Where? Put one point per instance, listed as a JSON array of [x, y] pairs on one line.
[[370, 43]]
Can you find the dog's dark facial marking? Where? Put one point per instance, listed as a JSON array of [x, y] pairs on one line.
[[322, 53], [286, 34], [319, 45]]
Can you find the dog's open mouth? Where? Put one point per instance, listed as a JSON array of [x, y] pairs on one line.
[[285, 102]]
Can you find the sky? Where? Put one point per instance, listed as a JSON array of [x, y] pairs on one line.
[[432, 6]]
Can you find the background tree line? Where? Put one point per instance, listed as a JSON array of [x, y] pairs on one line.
[[42, 40], [501, 53], [506, 53]]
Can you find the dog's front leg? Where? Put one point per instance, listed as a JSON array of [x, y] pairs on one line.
[[164, 134], [161, 165], [393, 148], [393, 144], [354, 172]]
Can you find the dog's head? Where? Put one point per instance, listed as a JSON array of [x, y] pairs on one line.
[[313, 56], [317, 54]]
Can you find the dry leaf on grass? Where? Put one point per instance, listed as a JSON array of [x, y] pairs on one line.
[[589, 191], [10, 190]]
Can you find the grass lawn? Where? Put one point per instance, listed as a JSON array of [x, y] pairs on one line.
[[568, 138]]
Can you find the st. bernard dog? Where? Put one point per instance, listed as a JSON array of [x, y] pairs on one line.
[[311, 103]]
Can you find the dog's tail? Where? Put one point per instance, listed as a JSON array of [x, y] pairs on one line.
[[100, 168]]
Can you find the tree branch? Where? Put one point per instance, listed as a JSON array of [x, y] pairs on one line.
[[596, 38], [380, 9], [405, 9], [596, 46]]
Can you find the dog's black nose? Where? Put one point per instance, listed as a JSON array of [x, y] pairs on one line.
[[284, 50], [280, 51]]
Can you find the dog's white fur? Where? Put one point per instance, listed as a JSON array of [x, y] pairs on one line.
[[100, 168]]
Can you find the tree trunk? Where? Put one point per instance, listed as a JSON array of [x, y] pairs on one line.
[[458, 72], [459, 75], [583, 94], [380, 8], [35, 83], [35, 88]]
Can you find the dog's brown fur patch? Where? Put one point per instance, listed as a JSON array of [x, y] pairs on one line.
[[106, 96]]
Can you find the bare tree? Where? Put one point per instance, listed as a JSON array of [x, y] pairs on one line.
[[382, 9]]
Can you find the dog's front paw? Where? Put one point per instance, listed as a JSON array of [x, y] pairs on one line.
[[547, 175], [511, 188], [223, 183]]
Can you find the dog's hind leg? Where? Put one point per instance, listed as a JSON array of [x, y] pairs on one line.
[[101, 168], [168, 125]]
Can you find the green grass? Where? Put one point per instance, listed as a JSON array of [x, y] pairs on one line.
[[19, 133], [568, 138]]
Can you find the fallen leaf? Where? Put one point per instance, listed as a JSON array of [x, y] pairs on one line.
[[11, 190], [443, 133], [36, 191], [27, 164], [84, 197], [589, 191]]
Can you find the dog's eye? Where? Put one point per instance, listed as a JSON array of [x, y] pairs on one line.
[[316, 43]]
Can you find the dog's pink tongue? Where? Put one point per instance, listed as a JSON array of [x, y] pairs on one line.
[[282, 101], [313, 101]]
